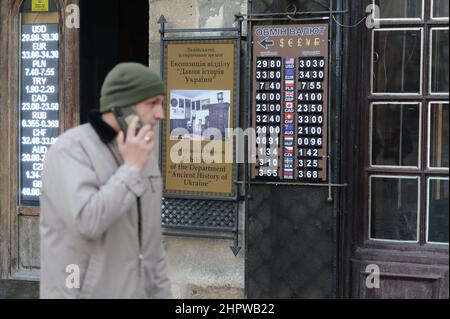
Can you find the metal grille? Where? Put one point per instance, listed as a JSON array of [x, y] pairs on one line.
[[193, 213], [290, 244]]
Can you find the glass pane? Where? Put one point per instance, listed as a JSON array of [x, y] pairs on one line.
[[395, 134], [438, 211], [396, 61], [393, 208], [397, 9], [440, 8], [439, 135], [439, 61]]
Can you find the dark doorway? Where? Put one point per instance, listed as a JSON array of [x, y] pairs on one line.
[[111, 32]]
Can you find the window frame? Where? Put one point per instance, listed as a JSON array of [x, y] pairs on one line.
[[429, 167], [396, 177], [371, 127], [421, 18], [432, 17], [367, 99], [419, 93], [430, 178], [430, 69]]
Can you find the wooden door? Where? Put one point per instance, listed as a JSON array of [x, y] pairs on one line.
[[39, 52], [397, 135]]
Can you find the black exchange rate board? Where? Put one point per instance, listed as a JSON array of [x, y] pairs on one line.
[[39, 104], [290, 102]]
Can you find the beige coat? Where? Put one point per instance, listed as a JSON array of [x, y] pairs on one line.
[[89, 220]]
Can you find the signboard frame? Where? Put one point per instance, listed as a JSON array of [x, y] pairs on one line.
[[234, 114], [24, 203], [287, 38], [217, 216]]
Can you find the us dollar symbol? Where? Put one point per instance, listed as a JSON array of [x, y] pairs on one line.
[[282, 43]]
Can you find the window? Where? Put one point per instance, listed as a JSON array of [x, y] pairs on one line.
[[437, 210], [439, 61], [440, 9], [400, 9], [395, 134], [408, 165], [394, 202], [438, 135], [397, 57]]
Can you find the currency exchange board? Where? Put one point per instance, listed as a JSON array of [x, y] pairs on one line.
[[39, 104], [290, 102]]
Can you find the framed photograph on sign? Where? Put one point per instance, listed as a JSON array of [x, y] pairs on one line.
[[213, 115]]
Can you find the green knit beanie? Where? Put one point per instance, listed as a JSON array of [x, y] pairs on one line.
[[128, 84]]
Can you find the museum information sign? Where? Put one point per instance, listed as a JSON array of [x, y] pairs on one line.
[[200, 77]]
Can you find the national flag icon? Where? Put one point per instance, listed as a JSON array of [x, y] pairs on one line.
[[288, 127], [289, 149], [288, 171], [289, 83], [289, 117], [289, 105], [289, 143], [289, 73], [289, 61], [288, 161], [289, 139], [290, 95], [289, 87]]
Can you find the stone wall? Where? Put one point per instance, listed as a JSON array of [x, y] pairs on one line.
[[199, 268]]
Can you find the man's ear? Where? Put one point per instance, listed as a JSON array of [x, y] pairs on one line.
[[109, 118]]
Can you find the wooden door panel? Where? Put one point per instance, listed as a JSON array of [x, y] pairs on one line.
[[28, 243], [400, 280], [19, 226]]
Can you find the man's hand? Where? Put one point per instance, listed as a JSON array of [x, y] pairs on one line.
[[136, 149]]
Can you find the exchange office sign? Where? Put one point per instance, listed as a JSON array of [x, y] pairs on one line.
[[198, 150], [290, 102], [39, 104]]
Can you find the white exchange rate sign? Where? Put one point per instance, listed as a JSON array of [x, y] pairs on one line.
[[39, 104]]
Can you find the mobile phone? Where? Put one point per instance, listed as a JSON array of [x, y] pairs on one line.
[[125, 115]]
